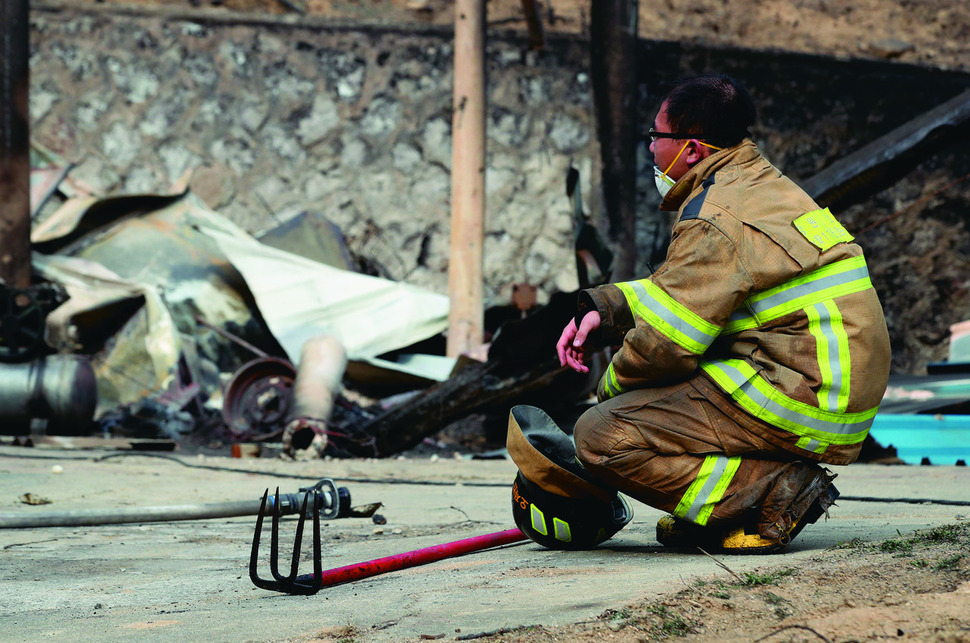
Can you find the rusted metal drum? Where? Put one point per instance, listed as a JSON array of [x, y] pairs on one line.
[[258, 397], [61, 389]]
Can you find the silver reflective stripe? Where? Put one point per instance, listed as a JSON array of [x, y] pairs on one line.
[[664, 313], [747, 389], [809, 288], [758, 309], [828, 398], [562, 530], [741, 314], [720, 465], [538, 520], [610, 385]]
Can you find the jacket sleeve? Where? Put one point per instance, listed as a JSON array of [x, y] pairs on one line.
[[670, 319]]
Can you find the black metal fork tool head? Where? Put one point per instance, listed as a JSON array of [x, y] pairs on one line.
[[292, 583]]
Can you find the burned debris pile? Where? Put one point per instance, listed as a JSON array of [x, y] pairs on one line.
[[154, 318]]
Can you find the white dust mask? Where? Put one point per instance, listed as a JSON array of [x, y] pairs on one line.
[[660, 178], [662, 181]]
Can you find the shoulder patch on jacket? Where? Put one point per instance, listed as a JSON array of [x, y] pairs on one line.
[[693, 207], [821, 229]]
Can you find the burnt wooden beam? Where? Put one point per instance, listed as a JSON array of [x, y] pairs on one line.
[[522, 368], [476, 388], [884, 161]]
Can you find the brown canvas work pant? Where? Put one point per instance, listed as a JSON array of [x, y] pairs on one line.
[[686, 449]]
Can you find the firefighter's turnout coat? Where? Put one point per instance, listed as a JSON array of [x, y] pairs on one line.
[[766, 296]]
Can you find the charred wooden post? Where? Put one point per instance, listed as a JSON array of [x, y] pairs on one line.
[[14, 145], [887, 159], [613, 61], [533, 19]]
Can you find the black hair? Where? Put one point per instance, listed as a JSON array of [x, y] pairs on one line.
[[716, 108]]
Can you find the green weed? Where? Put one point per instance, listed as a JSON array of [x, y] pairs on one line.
[[854, 543], [671, 623], [719, 590], [944, 534], [773, 599], [896, 546], [615, 615], [948, 562], [753, 579], [779, 603]]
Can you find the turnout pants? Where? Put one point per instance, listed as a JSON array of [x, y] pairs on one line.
[[686, 449]]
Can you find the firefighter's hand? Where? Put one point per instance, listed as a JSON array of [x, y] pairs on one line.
[[571, 346]]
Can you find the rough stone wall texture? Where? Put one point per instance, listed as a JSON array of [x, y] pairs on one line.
[[354, 122], [275, 119]]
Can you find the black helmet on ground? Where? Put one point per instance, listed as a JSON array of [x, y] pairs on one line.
[[555, 501]]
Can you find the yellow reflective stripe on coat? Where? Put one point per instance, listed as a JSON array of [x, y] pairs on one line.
[[826, 283], [708, 488], [673, 320], [610, 385], [755, 395], [810, 444]]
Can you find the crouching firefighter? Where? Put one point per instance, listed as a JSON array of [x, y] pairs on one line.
[[756, 353]]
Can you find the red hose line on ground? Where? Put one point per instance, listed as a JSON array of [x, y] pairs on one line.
[[417, 557]]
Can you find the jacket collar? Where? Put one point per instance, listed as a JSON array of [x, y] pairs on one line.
[[743, 152]]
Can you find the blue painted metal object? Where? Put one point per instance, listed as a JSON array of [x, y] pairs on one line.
[[944, 439]]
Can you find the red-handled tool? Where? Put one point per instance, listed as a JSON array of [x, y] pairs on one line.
[[312, 583]]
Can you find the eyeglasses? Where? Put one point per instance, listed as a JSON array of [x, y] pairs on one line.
[[654, 135]]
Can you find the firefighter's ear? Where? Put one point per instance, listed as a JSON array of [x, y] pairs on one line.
[[694, 153]]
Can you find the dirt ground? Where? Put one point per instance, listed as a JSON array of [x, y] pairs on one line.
[[912, 588]]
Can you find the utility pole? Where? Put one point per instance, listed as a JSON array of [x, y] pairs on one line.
[[613, 60], [466, 315], [14, 145]]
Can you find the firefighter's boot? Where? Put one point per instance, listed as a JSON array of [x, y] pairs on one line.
[[755, 535]]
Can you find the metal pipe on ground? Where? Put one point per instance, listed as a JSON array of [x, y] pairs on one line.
[[333, 500], [323, 361], [88, 517]]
